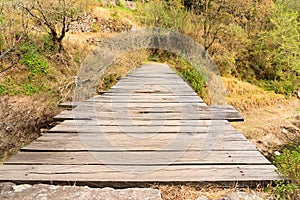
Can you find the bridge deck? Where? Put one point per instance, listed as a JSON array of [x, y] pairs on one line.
[[149, 127]]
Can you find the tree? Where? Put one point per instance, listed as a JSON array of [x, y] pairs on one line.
[[55, 16], [212, 15], [216, 15], [14, 29]]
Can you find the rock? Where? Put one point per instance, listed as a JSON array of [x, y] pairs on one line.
[[277, 153], [202, 198], [82, 25], [43, 131], [20, 188], [285, 131], [50, 192], [239, 195], [6, 188]]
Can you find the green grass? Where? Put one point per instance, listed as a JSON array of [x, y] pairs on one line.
[[288, 164]]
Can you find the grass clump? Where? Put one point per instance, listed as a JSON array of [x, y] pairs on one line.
[[34, 60], [288, 164]]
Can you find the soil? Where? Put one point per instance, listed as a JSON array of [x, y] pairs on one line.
[[271, 128], [22, 118]]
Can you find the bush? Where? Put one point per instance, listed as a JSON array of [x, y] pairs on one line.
[[35, 63], [33, 59], [288, 163], [165, 14]]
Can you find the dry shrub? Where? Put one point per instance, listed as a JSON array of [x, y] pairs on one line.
[[21, 119], [245, 96], [67, 65], [194, 191], [122, 66]]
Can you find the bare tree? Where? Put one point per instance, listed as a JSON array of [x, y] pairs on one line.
[[14, 29], [212, 15], [55, 16]]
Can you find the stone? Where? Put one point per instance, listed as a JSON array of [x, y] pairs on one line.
[[202, 198], [6, 187], [51, 192], [239, 195]]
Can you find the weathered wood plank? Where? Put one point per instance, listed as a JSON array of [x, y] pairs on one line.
[[138, 158], [145, 100], [161, 138], [127, 108], [231, 113], [65, 115], [194, 173], [162, 106], [140, 129], [128, 122], [140, 145]]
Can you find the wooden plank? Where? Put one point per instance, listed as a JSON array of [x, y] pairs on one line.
[[136, 105], [140, 145], [128, 108], [193, 173], [145, 103], [162, 87], [231, 113], [150, 91], [128, 122], [110, 93], [160, 138], [152, 96], [138, 158], [152, 82], [152, 115], [65, 115], [139, 129]]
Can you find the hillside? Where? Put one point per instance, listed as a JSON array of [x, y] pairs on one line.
[[254, 45]]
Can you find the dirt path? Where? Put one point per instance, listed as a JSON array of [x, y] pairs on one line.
[[270, 127]]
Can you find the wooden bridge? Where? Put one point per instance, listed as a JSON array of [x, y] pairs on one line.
[[150, 127]]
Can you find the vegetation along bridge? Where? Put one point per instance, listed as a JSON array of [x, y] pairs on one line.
[[149, 127]]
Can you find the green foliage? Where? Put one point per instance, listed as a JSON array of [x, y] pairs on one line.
[[2, 89], [184, 69], [288, 163], [277, 52], [165, 14], [194, 77], [33, 72], [13, 87], [33, 60], [35, 63]]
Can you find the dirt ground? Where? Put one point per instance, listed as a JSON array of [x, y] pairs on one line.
[[273, 127], [22, 118]]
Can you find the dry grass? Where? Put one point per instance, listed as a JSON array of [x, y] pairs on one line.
[[245, 96], [210, 191], [21, 119], [270, 119], [271, 127], [122, 66]]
